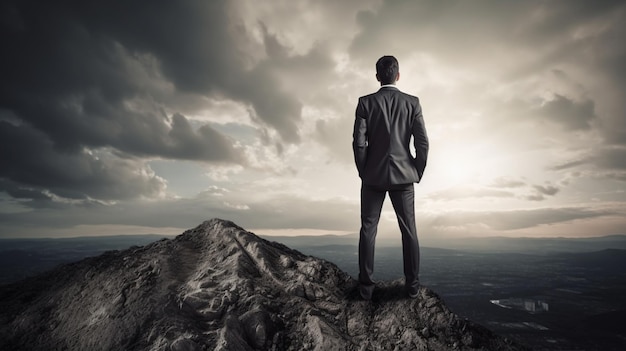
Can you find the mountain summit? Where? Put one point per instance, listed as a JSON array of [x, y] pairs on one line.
[[219, 287]]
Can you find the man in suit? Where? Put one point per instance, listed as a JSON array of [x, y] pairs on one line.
[[384, 124]]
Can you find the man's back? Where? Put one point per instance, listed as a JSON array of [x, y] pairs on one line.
[[385, 122]]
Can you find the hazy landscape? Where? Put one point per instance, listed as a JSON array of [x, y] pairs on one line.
[[582, 294], [551, 294]]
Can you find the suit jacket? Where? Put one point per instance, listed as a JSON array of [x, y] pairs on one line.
[[384, 124]]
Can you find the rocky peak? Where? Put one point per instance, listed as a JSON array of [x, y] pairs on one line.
[[219, 287]]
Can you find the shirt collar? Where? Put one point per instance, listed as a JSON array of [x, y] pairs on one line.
[[389, 86]]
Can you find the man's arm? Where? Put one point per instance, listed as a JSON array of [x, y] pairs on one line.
[[420, 141], [359, 138]]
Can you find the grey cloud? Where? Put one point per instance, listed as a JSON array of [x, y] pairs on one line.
[[464, 31], [271, 106], [20, 192], [42, 199], [570, 114], [613, 126], [502, 187], [203, 48], [75, 71], [278, 212], [535, 197], [546, 190], [204, 144], [32, 164], [519, 219], [506, 182], [617, 176], [442, 28], [611, 157], [538, 192], [462, 192], [541, 191], [31, 158], [304, 75], [570, 164], [82, 75], [69, 75], [336, 135], [604, 158]]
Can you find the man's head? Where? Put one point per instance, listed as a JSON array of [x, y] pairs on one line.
[[387, 70]]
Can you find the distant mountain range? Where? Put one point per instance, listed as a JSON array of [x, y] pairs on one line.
[[535, 245], [480, 244], [85, 244]]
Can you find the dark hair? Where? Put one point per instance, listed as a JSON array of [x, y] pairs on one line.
[[387, 69]]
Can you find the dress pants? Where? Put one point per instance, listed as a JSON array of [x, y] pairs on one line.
[[372, 198]]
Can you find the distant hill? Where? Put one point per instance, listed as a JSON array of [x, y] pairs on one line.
[[20, 258], [487, 244], [538, 245], [78, 244]]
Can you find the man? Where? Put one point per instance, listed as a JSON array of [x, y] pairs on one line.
[[384, 124]]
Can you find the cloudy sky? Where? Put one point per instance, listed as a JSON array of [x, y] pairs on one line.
[[124, 117]]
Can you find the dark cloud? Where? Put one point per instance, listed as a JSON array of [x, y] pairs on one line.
[[547, 189], [74, 67], [613, 158], [570, 114], [541, 191], [102, 75], [570, 164], [303, 75], [603, 159], [450, 29], [93, 74], [33, 168], [183, 142], [463, 31], [21, 192], [202, 47]]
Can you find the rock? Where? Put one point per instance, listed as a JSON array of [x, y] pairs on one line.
[[219, 287], [183, 344]]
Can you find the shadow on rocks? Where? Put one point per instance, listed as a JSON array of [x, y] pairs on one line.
[[384, 292]]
